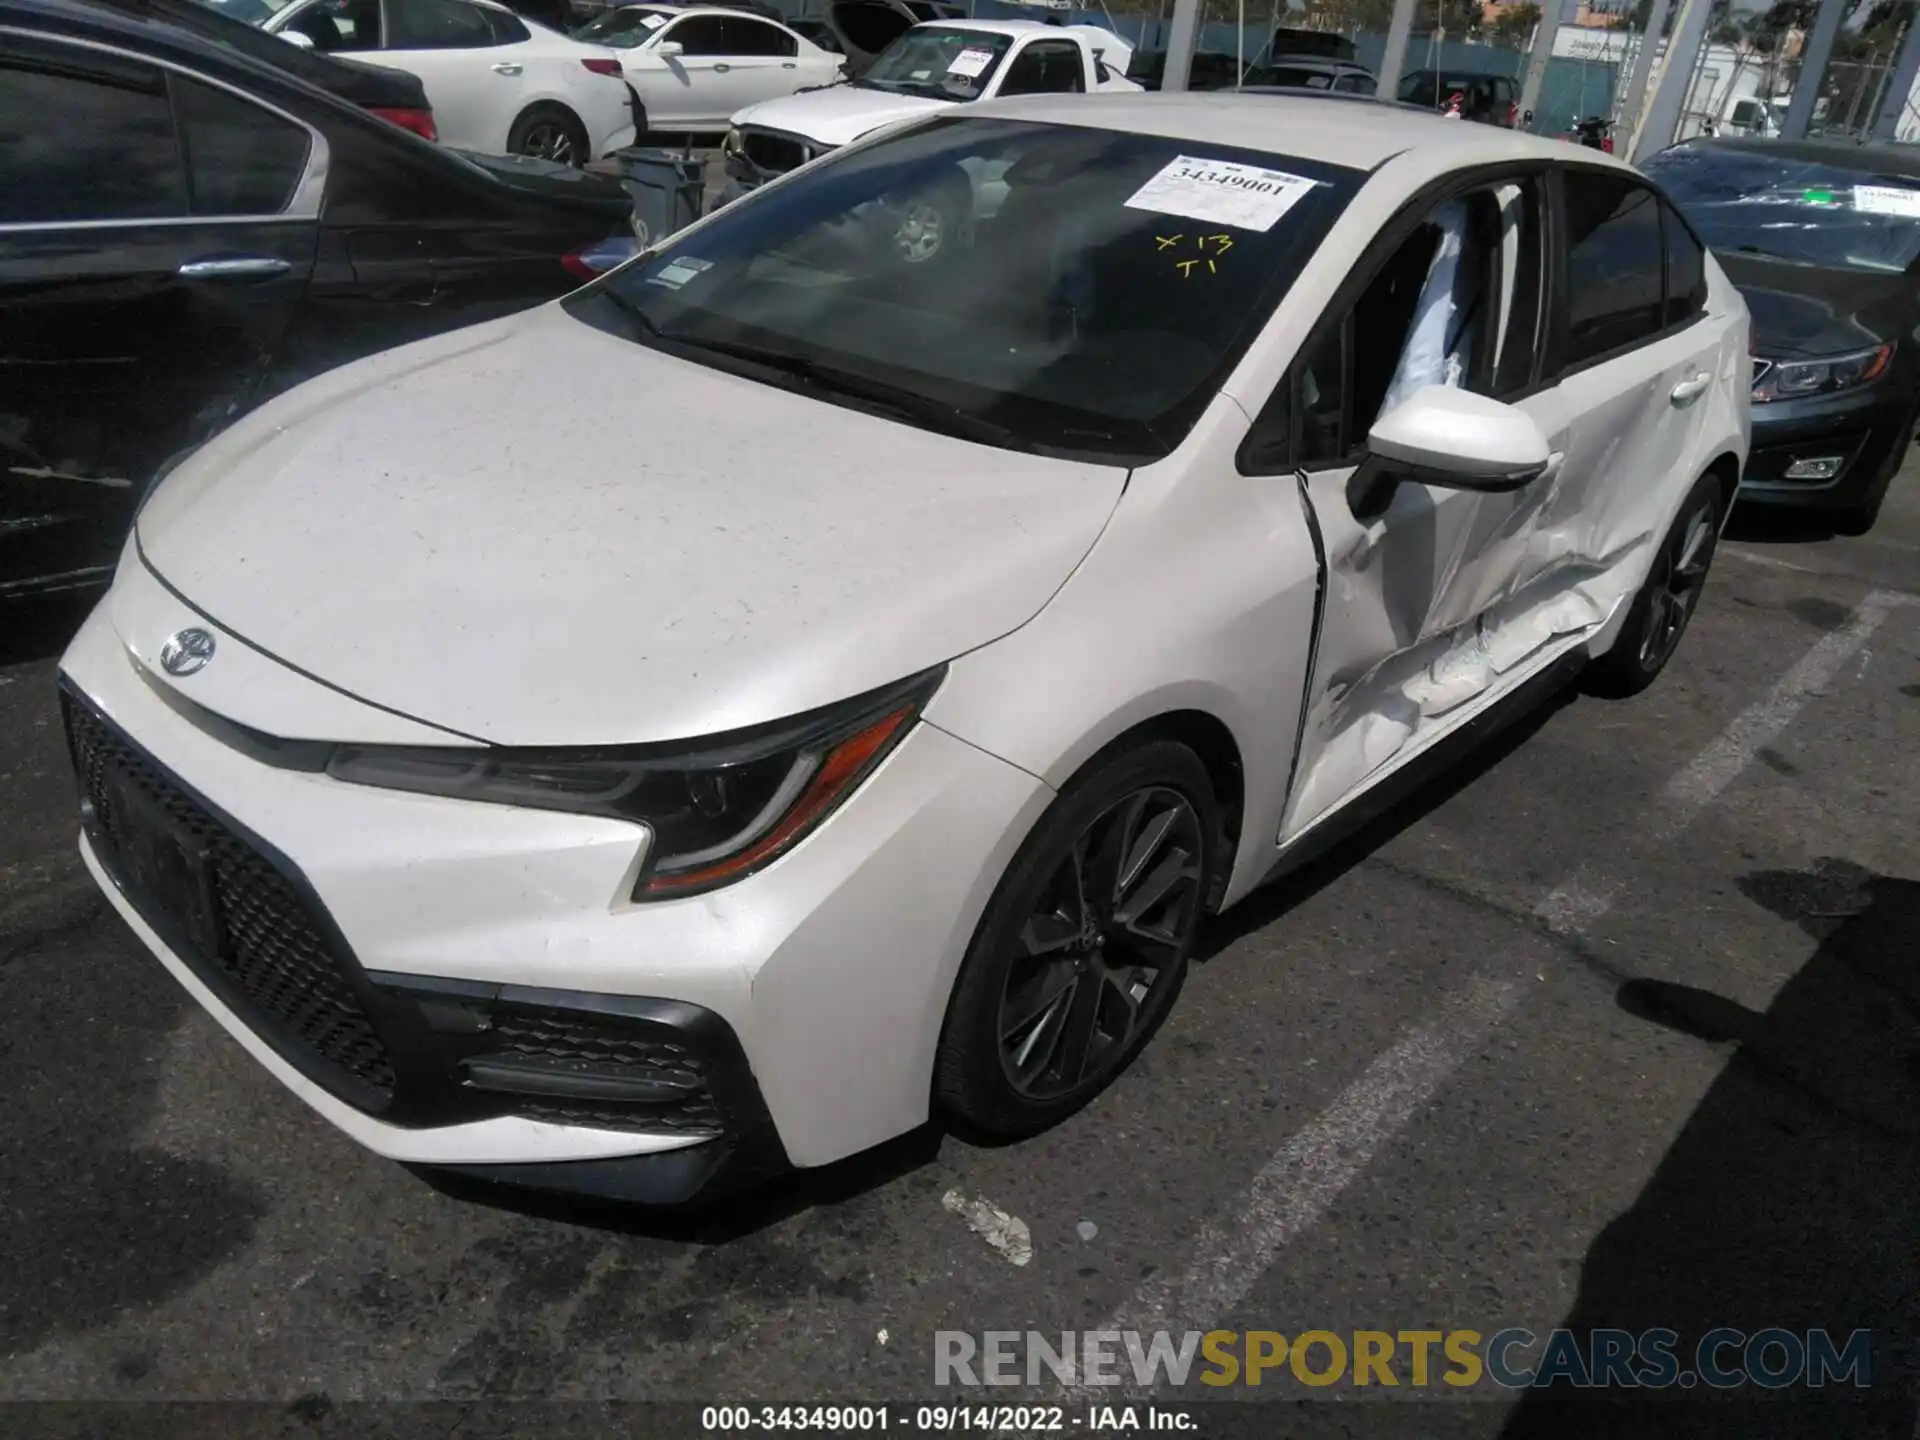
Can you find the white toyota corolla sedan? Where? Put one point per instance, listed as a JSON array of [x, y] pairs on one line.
[[842, 700]]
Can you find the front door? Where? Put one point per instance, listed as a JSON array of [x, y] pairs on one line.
[[1409, 642], [156, 235]]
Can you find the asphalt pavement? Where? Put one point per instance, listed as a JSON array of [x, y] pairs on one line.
[[1618, 1026]]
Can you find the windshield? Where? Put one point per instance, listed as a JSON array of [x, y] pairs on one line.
[[939, 62], [624, 28], [1048, 288], [1757, 202]]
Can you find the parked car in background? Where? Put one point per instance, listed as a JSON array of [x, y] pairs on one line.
[[1337, 76], [1489, 99], [186, 230], [391, 94], [694, 66], [929, 68], [498, 83], [1823, 238], [843, 700]]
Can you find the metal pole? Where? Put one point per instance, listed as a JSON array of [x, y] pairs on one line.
[[1635, 97], [1813, 69], [1662, 118], [1394, 61], [1893, 103], [1240, 47], [1543, 37], [1186, 28]]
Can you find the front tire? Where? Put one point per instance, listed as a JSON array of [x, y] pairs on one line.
[[1666, 602], [1084, 947], [549, 132]]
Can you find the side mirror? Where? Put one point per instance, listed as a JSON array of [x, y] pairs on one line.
[[1450, 438], [297, 40], [669, 49]]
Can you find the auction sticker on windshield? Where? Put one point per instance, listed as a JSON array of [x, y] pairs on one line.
[[1887, 200], [653, 22], [969, 63], [1221, 192]]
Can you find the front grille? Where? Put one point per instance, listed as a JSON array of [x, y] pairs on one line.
[[270, 951], [775, 153], [583, 1042]]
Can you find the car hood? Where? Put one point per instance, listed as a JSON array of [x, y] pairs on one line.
[[533, 532], [1811, 310], [838, 115]]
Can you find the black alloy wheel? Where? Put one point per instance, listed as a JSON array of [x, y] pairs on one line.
[[1085, 945], [1666, 603]]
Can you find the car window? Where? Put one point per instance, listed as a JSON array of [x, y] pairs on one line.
[[1457, 303], [1419, 89], [1832, 212], [507, 29], [86, 142], [756, 37], [1046, 67], [242, 159], [336, 26], [939, 62], [437, 25], [1354, 84], [1614, 264], [1686, 269], [1296, 76], [1090, 303], [701, 35]]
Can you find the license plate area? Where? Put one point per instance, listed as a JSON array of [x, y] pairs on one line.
[[167, 871]]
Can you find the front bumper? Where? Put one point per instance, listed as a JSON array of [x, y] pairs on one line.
[[467, 986], [1867, 432]]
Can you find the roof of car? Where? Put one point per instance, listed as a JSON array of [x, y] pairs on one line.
[[1312, 126], [1881, 157], [998, 27]]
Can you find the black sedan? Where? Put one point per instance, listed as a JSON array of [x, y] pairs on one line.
[[1823, 239], [187, 229]]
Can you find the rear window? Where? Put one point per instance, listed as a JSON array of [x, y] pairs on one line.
[[1045, 288]]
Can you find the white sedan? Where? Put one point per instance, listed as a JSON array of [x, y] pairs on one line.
[[846, 698], [694, 67], [498, 83]]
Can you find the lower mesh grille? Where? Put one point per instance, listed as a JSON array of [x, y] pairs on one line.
[[267, 946], [614, 1047]]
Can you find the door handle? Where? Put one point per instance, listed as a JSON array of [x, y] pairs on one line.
[[721, 68], [238, 267], [1691, 389], [506, 67], [788, 65]]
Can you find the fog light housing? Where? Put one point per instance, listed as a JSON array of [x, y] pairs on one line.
[[1816, 467]]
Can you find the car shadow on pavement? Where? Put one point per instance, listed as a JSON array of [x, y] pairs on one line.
[[95, 1223], [1791, 1198], [39, 628]]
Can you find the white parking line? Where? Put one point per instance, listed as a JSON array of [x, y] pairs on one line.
[[1294, 1189], [1585, 896]]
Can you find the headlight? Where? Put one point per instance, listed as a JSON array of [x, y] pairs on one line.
[[718, 809], [1793, 379]]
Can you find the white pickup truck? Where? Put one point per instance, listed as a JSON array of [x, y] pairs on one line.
[[930, 67]]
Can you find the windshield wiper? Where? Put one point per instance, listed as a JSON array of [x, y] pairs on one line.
[[1766, 254], [875, 395]]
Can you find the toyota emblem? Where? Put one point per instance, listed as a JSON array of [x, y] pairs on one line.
[[186, 652]]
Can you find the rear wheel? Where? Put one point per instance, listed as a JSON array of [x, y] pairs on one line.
[[1666, 602], [1084, 946], [549, 132]]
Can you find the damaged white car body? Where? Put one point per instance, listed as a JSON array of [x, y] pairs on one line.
[[873, 740]]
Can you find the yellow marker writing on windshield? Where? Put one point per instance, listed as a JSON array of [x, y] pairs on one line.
[[1167, 242]]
